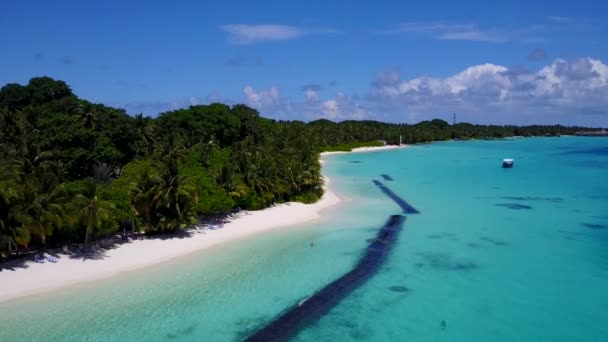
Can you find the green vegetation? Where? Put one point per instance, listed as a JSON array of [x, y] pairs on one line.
[[74, 171]]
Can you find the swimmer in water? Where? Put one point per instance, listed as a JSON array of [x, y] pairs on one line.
[[312, 243], [443, 325]]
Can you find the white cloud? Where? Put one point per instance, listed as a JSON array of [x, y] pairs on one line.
[[343, 107], [249, 34], [566, 92], [263, 98], [494, 93]]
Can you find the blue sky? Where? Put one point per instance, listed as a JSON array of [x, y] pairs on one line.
[[509, 62]]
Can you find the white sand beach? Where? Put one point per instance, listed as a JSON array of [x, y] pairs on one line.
[[34, 278]]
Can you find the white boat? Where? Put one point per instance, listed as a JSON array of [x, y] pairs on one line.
[[507, 163]]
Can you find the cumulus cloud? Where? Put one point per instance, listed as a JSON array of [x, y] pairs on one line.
[[311, 92], [573, 92], [495, 93], [467, 32], [343, 107], [311, 95], [310, 106], [270, 102], [263, 98]]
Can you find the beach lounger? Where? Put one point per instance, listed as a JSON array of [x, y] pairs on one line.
[[38, 259], [51, 258]]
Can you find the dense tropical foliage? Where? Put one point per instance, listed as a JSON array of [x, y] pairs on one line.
[[71, 170]]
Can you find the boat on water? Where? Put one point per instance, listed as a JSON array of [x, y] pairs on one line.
[[507, 163]]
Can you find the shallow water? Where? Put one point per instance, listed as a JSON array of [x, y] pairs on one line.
[[496, 254]]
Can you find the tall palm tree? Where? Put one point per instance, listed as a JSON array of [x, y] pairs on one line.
[[143, 198], [174, 198], [12, 233], [43, 209], [91, 210]]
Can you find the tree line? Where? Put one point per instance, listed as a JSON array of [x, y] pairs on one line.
[[74, 171]]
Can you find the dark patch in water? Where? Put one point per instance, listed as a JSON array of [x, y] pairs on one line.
[[189, 330], [349, 324], [493, 241], [445, 262], [595, 164], [473, 245], [419, 264], [401, 289], [450, 236], [386, 177], [531, 198], [598, 151], [514, 206], [355, 162], [594, 225], [360, 334]]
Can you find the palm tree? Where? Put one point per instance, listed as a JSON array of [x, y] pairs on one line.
[[102, 172], [143, 197], [174, 199], [43, 209], [12, 233], [91, 210]]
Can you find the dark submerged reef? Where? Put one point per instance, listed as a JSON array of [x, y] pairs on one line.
[[406, 207], [514, 206], [386, 177], [311, 309], [594, 225]]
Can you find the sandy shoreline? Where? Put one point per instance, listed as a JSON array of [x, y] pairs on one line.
[[34, 278]]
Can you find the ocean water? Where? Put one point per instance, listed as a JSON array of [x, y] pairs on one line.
[[495, 255]]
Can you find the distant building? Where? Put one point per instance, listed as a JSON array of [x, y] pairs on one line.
[[602, 133]]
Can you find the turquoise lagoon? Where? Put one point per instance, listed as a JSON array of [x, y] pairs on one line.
[[497, 254]]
